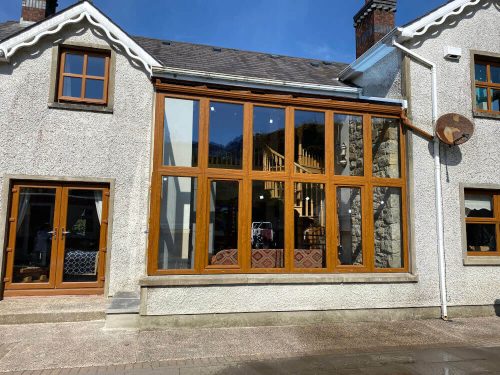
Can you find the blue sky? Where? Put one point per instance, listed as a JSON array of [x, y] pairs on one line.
[[321, 29]]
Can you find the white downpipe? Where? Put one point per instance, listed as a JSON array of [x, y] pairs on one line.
[[437, 180]]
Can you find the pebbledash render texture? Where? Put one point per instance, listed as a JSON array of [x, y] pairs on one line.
[[45, 140]]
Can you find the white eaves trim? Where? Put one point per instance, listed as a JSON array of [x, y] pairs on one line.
[[436, 18], [74, 15]]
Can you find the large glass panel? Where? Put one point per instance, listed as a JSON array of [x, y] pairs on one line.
[[72, 87], [94, 89], [73, 64], [310, 225], [34, 235], [482, 98], [82, 234], [495, 73], [177, 223], [385, 147], [226, 135], [349, 219], [309, 142], [495, 100], [180, 133], [481, 237], [223, 225], [478, 205], [348, 145], [388, 227], [480, 72], [268, 224], [268, 139], [96, 66]]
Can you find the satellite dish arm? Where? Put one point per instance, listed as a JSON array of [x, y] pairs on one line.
[[409, 125]]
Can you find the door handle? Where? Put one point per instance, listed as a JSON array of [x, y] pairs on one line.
[[65, 232], [53, 233]]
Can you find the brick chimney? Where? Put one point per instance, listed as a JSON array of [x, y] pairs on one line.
[[37, 10], [373, 22]]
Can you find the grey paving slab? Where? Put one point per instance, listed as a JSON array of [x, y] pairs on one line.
[[411, 346]]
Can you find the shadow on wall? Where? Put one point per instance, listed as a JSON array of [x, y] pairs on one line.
[[453, 21], [497, 307]]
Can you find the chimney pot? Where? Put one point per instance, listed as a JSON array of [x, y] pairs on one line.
[[37, 10], [373, 22]]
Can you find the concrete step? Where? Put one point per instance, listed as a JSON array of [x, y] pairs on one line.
[[124, 303], [24, 310]]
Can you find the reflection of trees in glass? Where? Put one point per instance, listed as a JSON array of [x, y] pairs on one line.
[[226, 156]]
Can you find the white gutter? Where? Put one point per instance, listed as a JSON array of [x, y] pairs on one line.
[[270, 84], [202, 76], [437, 178]]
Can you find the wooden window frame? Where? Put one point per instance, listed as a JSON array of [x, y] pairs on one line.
[[488, 85], [85, 53], [247, 175], [495, 220]]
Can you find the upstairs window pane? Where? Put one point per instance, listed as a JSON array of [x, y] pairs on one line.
[[349, 154], [480, 71], [180, 133], [226, 136], [309, 142], [268, 139], [385, 147]]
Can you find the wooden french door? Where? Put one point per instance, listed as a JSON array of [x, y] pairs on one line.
[[57, 239]]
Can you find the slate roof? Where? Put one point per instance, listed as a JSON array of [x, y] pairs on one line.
[[9, 28], [243, 63]]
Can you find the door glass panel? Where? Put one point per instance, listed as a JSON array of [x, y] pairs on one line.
[[180, 133], [310, 225], [34, 233], [348, 145], [81, 235], [388, 234], [385, 147], [226, 135], [223, 225], [177, 223], [268, 224], [268, 139], [349, 219], [309, 142]]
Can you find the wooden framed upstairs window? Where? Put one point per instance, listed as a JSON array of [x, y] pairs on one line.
[[482, 222], [83, 76], [255, 183], [487, 84]]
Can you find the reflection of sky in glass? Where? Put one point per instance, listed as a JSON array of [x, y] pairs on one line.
[[268, 120], [73, 64], [480, 72], [226, 122]]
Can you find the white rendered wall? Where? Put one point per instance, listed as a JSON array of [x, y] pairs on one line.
[[41, 141]]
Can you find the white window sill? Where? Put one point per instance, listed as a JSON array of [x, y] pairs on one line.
[[482, 261], [249, 279]]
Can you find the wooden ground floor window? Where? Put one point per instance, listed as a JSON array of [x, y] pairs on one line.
[[482, 222], [248, 183]]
